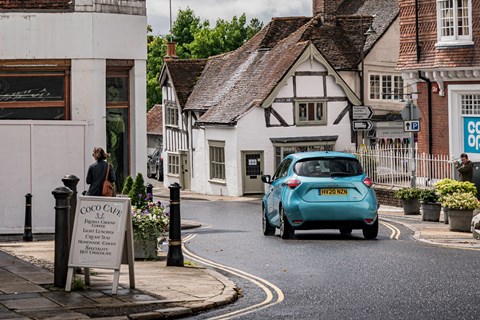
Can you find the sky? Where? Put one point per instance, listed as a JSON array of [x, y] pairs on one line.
[[158, 11]]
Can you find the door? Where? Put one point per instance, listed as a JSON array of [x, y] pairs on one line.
[[184, 170], [252, 163]]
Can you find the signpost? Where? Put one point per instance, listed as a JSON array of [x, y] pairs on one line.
[[411, 120], [361, 118], [362, 125], [102, 233]]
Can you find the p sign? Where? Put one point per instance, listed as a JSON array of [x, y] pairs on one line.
[[471, 134]]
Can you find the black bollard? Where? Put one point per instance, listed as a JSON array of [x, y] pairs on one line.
[[62, 206], [175, 255], [150, 191], [27, 229], [71, 181]]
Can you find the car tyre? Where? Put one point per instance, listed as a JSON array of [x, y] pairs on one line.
[[345, 231], [371, 231], [149, 174], [158, 176], [286, 230], [268, 230]]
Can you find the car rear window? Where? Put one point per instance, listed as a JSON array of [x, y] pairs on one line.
[[328, 167]]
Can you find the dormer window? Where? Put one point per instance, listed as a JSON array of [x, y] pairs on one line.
[[454, 22]]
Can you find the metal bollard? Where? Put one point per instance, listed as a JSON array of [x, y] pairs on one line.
[[175, 255], [62, 206], [27, 229], [71, 181], [150, 191]]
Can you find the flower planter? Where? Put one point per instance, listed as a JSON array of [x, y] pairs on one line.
[[445, 215], [430, 211], [411, 206], [145, 249], [460, 220]]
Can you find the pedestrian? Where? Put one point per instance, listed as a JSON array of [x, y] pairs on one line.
[[97, 172], [464, 168]]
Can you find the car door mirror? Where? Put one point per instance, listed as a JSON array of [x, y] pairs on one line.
[[267, 179]]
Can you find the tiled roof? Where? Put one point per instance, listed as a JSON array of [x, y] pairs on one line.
[[155, 120], [232, 83], [184, 74]]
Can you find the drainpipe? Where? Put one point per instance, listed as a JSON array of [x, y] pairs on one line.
[[417, 40], [429, 109]]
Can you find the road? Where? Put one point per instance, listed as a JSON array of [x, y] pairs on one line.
[[323, 275]]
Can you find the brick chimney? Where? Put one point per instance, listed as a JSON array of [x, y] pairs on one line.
[[171, 51], [327, 8]]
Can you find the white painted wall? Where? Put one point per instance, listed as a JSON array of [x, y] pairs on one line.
[[87, 39], [37, 155]]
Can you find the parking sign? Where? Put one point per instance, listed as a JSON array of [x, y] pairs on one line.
[[411, 126]]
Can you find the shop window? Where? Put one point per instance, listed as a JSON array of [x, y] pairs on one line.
[[281, 151], [34, 92]]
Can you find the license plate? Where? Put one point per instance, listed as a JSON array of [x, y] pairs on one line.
[[333, 192]]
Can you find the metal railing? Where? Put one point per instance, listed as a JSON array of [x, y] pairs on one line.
[[392, 166]]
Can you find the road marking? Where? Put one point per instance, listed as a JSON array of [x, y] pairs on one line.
[[395, 231], [263, 284]]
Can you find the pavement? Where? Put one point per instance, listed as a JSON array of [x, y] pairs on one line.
[[161, 292]]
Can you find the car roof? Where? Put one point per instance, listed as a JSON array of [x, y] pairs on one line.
[[319, 154]]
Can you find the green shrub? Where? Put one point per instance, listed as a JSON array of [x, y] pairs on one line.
[[448, 186], [408, 193], [461, 201], [138, 192], [127, 187], [428, 196]]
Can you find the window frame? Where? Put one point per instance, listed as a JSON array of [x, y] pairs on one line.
[[322, 121], [217, 167], [396, 86], [280, 154], [173, 167], [455, 39], [171, 114]]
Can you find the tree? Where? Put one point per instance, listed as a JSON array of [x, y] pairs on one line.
[[183, 31], [156, 50]]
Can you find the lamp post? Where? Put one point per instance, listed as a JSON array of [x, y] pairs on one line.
[[367, 33]]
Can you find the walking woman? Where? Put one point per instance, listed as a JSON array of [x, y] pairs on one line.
[[97, 172]]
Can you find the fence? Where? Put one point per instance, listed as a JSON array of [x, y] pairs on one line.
[[392, 166]]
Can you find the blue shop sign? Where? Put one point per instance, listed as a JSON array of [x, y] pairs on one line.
[[471, 134]]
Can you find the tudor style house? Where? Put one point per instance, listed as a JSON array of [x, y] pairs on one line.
[[440, 55], [233, 117], [72, 77]]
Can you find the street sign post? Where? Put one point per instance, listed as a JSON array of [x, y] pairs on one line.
[[411, 121], [362, 112], [362, 125]]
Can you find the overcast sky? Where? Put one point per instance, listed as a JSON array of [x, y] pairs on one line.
[[158, 11]]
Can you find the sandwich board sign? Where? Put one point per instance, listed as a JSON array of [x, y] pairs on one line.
[[102, 234]]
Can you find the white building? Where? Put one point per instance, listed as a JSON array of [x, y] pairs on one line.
[[291, 88], [72, 77]]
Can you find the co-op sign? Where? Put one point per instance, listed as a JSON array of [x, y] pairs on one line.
[[471, 134]]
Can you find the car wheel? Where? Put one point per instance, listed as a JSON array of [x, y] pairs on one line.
[[158, 176], [268, 230], [149, 174], [286, 230], [371, 231], [345, 231]]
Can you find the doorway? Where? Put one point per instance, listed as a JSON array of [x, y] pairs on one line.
[[252, 170], [184, 170]]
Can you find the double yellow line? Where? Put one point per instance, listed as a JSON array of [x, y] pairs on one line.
[[395, 231], [270, 289]]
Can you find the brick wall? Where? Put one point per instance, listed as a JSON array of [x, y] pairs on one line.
[[385, 196], [35, 4], [326, 7], [431, 56]]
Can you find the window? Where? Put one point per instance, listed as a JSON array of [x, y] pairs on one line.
[[470, 104], [173, 164], [283, 151], [328, 167], [311, 112], [386, 87], [454, 22], [282, 169], [217, 160], [171, 112], [34, 92]]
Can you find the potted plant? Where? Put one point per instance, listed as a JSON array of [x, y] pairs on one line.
[[460, 210], [409, 197], [448, 186], [150, 224], [429, 205]]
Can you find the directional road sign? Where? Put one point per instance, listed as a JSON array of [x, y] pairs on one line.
[[362, 125], [362, 112], [411, 126]]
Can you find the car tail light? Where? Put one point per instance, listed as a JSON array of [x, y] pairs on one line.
[[368, 182], [293, 183], [369, 220]]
